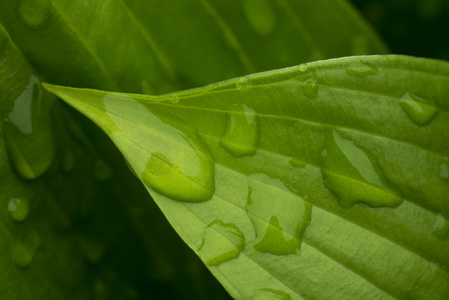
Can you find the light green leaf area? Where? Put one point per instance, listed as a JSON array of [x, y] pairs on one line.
[[328, 180]]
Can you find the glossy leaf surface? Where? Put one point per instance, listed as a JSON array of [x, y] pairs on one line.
[[336, 188]]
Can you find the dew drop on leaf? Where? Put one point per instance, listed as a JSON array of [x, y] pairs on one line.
[[221, 242], [310, 88], [34, 12], [270, 294], [260, 15], [362, 69], [18, 209], [241, 136], [440, 227], [20, 256], [419, 110], [354, 175], [27, 130], [297, 163], [302, 68], [102, 171], [243, 83], [279, 229], [174, 98]]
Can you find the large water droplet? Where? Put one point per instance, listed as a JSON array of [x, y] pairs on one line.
[[28, 137], [279, 229], [354, 175], [102, 171], [241, 136], [270, 294], [18, 209], [420, 111], [440, 228], [221, 242], [168, 156], [363, 69], [33, 13], [260, 15]]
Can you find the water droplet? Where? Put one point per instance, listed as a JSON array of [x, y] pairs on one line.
[[276, 232], [243, 83], [354, 175], [33, 13], [303, 68], [267, 294], [420, 111], [174, 98], [169, 157], [21, 257], [260, 15], [68, 161], [444, 171], [297, 163], [310, 88], [27, 130], [18, 209], [221, 242], [241, 136], [440, 227], [363, 69], [359, 45], [102, 171]]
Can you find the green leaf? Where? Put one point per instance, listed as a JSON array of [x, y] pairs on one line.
[[336, 193]]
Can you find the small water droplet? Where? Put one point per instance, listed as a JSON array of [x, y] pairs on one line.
[[276, 233], [420, 111], [21, 257], [174, 98], [27, 131], [243, 83], [241, 136], [354, 175], [221, 242], [260, 15], [68, 161], [363, 69], [440, 227], [444, 171], [297, 163], [303, 68], [270, 294], [359, 45], [102, 171], [18, 209], [33, 13], [310, 88]]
